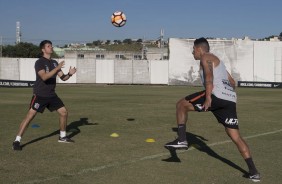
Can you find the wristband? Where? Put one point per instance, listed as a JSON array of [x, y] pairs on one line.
[[69, 74], [63, 76]]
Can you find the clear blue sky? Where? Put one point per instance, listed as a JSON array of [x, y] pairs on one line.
[[88, 20]]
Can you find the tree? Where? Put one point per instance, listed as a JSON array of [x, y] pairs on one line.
[[26, 50], [8, 51], [117, 42], [127, 41], [97, 42], [280, 35], [23, 50], [108, 42], [87, 44]]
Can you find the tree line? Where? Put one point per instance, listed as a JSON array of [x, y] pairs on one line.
[[29, 50], [115, 42], [23, 50]]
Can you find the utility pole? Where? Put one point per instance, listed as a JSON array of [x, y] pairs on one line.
[[162, 39], [144, 49], [162, 43], [1, 42]]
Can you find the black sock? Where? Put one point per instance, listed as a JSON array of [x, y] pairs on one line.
[[251, 166], [181, 132]]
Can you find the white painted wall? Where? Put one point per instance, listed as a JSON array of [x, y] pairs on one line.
[[159, 72], [246, 60], [105, 71], [27, 71]]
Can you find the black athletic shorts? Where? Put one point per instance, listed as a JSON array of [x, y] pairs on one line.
[[39, 103], [223, 110]]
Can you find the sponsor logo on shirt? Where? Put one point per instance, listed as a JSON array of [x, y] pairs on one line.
[[46, 68]]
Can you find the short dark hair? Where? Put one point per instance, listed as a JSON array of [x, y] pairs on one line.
[[202, 42], [42, 44]]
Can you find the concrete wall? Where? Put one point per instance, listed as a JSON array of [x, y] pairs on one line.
[[24, 69], [141, 72], [86, 71], [246, 60], [105, 71], [10, 68], [92, 71], [124, 72], [159, 72], [267, 66]]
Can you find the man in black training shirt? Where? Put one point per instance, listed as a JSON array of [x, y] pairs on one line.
[[44, 95]]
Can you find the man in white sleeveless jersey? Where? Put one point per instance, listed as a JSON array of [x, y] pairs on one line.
[[219, 97]]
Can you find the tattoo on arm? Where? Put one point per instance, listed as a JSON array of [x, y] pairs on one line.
[[210, 66], [208, 82]]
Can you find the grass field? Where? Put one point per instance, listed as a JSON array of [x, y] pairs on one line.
[[137, 113]]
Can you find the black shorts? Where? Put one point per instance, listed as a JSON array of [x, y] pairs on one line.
[[223, 110], [39, 103]]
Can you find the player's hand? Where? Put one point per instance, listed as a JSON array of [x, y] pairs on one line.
[[61, 65], [207, 103], [72, 70]]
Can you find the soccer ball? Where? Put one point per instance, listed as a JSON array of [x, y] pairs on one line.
[[118, 19]]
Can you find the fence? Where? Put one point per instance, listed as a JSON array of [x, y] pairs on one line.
[[246, 60]]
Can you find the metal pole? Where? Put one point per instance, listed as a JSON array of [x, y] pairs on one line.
[[1, 46]]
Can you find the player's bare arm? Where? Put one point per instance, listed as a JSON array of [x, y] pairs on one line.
[[47, 75], [207, 65], [231, 80]]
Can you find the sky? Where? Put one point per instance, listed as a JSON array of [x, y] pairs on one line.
[[84, 21]]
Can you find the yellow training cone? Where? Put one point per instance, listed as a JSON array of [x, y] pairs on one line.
[[150, 140], [114, 135]]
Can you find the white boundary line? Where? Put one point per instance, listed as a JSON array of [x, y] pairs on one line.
[[117, 164]]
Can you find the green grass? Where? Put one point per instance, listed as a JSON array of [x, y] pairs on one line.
[[96, 157]]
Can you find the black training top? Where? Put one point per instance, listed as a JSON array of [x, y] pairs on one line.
[[45, 88]]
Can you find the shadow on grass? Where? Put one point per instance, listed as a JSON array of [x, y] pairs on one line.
[[73, 127], [199, 144]]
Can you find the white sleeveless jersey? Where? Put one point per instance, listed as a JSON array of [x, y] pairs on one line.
[[221, 86]]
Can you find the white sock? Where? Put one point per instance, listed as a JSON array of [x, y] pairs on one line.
[[63, 133], [18, 138]]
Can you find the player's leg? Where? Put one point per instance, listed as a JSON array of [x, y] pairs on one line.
[[239, 141], [63, 117], [24, 124], [183, 106], [226, 114], [245, 152], [29, 117], [182, 109], [37, 104], [57, 104]]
